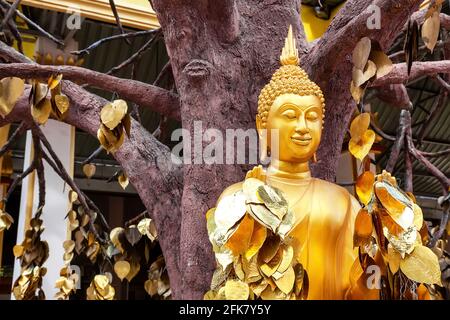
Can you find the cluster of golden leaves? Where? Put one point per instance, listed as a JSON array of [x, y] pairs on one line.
[[59, 60], [32, 253], [66, 283], [5, 221], [84, 240], [124, 247], [41, 106], [115, 122], [11, 89], [100, 289], [158, 284], [361, 137], [250, 231], [369, 62], [388, 232], [432, 24]]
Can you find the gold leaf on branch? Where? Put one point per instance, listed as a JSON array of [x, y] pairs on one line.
[[240, 239], [257, 240], [111, 140], [113, 113], [62, 103], [382, 62], [393, 259], [250, 187], [286, 282], [135, 266], [363, 227], [274, 200], [430, 30], [122, 268], [230, 210], [18, 250], [361, 76], [89, 170], [236, 290], [364, 186], [69, 245], [357, 92], [114, 236], [422, 266], [5, 221], [361, 53], [362, 138], [123, 181], [54, 81], [73, 196], [11, 89]]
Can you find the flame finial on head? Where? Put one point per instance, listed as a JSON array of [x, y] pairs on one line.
[[289, 54]]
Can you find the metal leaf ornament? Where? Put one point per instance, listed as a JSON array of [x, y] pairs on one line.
[[115, 123]]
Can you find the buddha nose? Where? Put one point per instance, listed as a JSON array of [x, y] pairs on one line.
[[302, 127]]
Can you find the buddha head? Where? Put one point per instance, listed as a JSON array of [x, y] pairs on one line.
[[294, 106]]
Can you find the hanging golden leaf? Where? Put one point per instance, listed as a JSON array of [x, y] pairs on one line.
[[383, 63], [236, 290], [230, 210], [18, 250], [240, 239], [274, 200], [62, 103], [363, 228], [393, 259], [69, 245], [422, 266], [423, 293], [364, 187], [359, 148], [357, 92], [54, 81], [361, 76], [123, 180], [89, 170], [133, 235], [122, 268], [111, 140], [257, 240], [286, 282], [113, 113], [114, 236], [361, 53], [135, 266], [11, 89], [73, 196], [430, 30], [249, 188], [397, 204], [5, 221]]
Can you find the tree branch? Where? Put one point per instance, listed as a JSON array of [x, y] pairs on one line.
[[115, 37], [116, 16], [145, 95], [419, 69], [399, 142], [34, 25], [19, 131]]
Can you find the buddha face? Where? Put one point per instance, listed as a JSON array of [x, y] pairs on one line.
[[298, 120]]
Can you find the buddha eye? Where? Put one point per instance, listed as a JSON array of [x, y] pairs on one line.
[[290, 114], [312, 116]]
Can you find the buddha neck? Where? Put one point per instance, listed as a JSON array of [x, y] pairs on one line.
[[289, 170]]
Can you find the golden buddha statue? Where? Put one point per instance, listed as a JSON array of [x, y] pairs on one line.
[[282, 234], [323, 212]]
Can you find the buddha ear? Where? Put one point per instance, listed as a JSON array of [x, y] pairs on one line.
[[259, 127], [262, 133]]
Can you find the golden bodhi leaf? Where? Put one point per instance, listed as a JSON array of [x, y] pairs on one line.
[[430, 30], [364, 186], [113, 113], [122, 268], [274, 200], [236, 290], [73, 196], [230, 210], [5, 221], [382, 62], [11, 90], [361, 76], [361, 53], [89, 170], [393, 259], [362, 138], [357, 92], [123, 181], [54, 81], [240, 239], [363, 227], [257, 240], [422, 266], [286, 282]]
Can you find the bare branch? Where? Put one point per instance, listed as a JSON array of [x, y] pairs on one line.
[[40, 173], [136, 56], [18, 179], [145, 95], [399, 142], [93, 155], [435, 111], [434, 154], [19, 131], [166, 69], [34, 25], [115, 37], [116, 16], [11, 11], [419, 69]]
